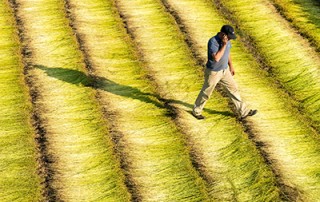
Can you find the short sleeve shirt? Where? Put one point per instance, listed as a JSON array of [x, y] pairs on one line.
[[214, 45]]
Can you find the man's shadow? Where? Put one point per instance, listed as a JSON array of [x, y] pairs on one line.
[[101, 83]]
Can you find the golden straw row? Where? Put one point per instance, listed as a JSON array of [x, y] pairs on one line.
[[80, 150]]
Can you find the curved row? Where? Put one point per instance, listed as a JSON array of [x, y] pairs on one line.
[[304, 15], [80, 152], [226, 158], [154, 155], [278, 126], [18, 166]]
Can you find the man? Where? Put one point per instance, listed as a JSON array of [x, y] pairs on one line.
[[219, 68]]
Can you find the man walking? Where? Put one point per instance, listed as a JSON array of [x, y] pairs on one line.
[[219, 68]]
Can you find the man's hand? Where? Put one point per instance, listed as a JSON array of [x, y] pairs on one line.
[[225, 39], [232, 71]]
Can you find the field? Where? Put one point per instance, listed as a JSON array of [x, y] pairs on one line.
[[96, 99]]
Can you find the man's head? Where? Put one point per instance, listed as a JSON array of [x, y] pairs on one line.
[[229, 31]]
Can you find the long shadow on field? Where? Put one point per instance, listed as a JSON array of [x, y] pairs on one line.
[[101, 83]]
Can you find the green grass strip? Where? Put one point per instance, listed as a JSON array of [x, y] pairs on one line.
[[278, 125], [84, 165], [292, 60], [155, 153], [304, 15], [18, 166], [228, 161]]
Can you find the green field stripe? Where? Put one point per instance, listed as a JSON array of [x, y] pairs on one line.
[[83, 162], [18, 167], [304, 15], [227, 160], [278, 125], [156, 157], [293, 62]]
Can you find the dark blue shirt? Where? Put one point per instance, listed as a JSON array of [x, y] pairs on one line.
[[214, 45]]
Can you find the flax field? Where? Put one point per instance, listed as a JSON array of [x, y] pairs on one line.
[[96, 99]]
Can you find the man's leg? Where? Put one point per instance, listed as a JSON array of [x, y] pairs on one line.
[[211, 79], [232, 89]]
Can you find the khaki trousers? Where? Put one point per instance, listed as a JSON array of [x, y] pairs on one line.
[[211, 78]]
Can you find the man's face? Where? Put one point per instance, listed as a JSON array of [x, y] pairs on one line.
[[225, 36]]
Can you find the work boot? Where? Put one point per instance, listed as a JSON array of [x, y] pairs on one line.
[[251, 113], [199, 117]]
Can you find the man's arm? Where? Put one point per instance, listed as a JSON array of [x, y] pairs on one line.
[[218, 55], [231, 65]]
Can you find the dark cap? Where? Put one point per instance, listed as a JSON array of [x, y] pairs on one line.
[[228, 30]]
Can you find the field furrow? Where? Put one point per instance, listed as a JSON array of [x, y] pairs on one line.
[[290, 144], [304, 15], [80, 151], [154, 154], [225, 157], [18, 167], [289, 56]]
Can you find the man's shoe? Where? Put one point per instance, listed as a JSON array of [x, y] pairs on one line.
[[251, 113], [199, 117]]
